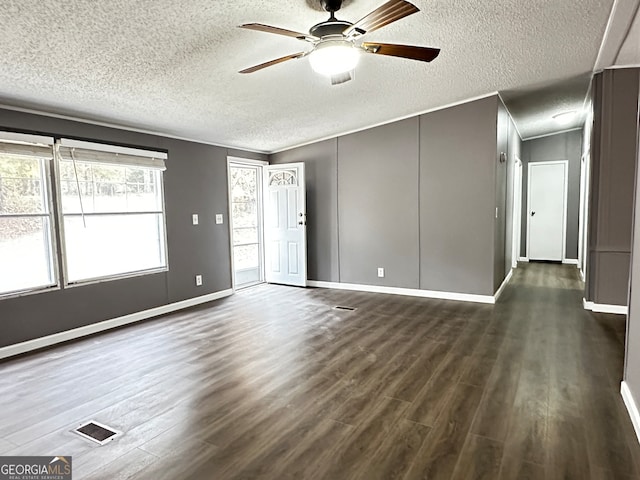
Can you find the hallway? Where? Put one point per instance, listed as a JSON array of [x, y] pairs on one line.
[[569, 382], [274, 383]]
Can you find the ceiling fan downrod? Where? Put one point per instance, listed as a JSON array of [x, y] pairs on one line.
[[331, 6]]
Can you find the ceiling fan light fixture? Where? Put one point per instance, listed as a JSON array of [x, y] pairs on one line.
[[333, 57]]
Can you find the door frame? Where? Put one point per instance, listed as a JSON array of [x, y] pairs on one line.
[[564, 201], [516, 235], [247, 162], [583, 234]]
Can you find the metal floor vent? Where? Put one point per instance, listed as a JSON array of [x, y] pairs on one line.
[[344, 309], [97, 432]]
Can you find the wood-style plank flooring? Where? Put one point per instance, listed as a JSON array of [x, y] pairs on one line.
[[273, 383]]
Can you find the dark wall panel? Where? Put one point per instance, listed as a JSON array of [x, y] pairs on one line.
[[416, 197], [378, 201], [197, 185], [321, 172], [38, 315], [232, 152], [457, 198], [195, 182], [613, 168]]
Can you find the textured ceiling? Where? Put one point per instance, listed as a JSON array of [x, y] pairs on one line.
[[533, 107], [170, 67], [630, 51]]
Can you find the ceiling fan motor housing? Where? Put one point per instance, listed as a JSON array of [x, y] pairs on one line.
[[331, 5], [332, 26]]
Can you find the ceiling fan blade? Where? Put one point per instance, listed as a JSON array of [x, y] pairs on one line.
[[278, 31], [255, 68], [388, 13], [424, 54]]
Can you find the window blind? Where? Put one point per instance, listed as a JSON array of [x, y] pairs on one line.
[[72, 150], [23, 145]]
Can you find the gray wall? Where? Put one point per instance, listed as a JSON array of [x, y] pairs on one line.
[[378, 199], [195, 182], [321, 172], [632, 358], [563, 146], [500, 233], [416, 197], [613, 168], [457, 198]]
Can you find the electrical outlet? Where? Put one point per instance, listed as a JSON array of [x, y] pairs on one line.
[[194, 218], [219, 219], [198, 280], [380, 272]]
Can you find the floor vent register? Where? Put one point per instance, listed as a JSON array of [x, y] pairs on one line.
[[97, 432]]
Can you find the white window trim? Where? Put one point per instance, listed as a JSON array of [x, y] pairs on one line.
[[48, 192], [61, 215]]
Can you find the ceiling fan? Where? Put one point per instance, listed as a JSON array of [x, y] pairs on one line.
[[335, 43]]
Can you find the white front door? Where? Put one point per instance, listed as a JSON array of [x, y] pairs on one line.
[[285, 224], [547, 210]]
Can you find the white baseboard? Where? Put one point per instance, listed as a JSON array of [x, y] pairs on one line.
[[411, 292], [496, 295], [632, 407], [566, 261], [571, 261], [602, 308], [49, 340]]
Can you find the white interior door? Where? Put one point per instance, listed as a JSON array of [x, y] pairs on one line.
[[547, 210], [285, 224]]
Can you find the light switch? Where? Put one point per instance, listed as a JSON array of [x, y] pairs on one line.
[[219, 219], [194, 218]]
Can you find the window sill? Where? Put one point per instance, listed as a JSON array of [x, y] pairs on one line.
[[93, 281], [31, 291]]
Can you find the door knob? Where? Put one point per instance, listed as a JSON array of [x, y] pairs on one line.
[[533, 213]]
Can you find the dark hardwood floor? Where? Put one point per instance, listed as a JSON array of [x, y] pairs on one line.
[[273, 383]]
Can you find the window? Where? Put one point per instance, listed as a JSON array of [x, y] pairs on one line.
[[284, 177], [112, 210], [26, 246]]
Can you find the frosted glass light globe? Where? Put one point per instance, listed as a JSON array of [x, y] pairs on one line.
[[332, 57]]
